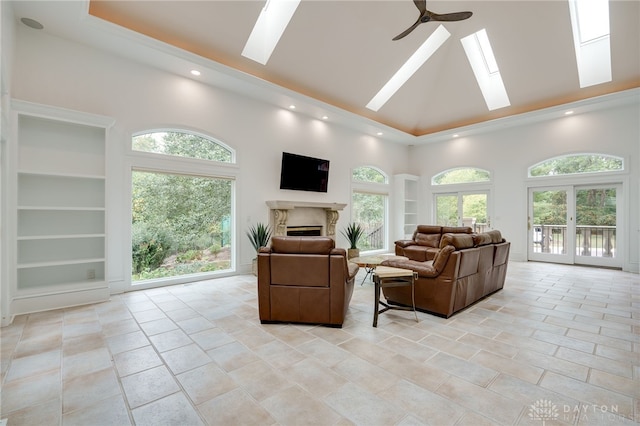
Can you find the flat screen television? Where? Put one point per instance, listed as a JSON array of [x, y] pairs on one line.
[[304, 173]]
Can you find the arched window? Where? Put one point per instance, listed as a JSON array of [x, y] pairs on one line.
[[461, 175], [182, 144], [181, 210], [576, 164], [369, 174], [461, 204], [369, 206]]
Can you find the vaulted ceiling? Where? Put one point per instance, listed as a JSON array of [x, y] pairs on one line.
[[341, 53]]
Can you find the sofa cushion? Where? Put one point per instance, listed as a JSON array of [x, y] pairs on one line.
[[459, 241], [302, 245], [496, 236], [481, 239], [441, 258], [456, 230], [428, 240]]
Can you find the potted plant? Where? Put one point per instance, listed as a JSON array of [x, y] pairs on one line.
[[259, 236], [353, 232]]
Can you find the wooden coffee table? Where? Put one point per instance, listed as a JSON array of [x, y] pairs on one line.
[[369, 263], [385, 276]]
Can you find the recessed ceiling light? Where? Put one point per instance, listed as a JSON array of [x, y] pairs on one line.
[[324, 117], [268, 29], [32, 23], [568, 113], [415, 61], [292, 107], [379, 133], [456, 135], [195, 72]]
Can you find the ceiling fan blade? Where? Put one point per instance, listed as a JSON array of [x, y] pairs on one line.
[[408, 30], [448, 17], [421, 5]]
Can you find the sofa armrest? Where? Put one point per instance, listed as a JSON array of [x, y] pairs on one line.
[[405, 243]]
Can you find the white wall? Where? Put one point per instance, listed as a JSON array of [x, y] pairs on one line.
[[508, 152], [57, 72]]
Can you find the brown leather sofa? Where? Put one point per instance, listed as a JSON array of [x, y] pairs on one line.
[[425, 243], [304, 280], [467, 268]]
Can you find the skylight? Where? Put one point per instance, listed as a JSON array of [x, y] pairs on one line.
[[419, 57], [590, 25], [485, 68], [269, 27]]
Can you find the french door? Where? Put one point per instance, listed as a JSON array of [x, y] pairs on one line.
[[575, 224], [463, 209]]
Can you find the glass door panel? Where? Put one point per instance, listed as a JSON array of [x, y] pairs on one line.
[[596, 225], [550, 222], [447, 209], [474, 212], [463, 209]]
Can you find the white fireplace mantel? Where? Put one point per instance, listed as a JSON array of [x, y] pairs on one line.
[[289, 205], [280, 215]]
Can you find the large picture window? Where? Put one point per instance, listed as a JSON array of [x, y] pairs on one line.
[[181, 211], [369, 206]]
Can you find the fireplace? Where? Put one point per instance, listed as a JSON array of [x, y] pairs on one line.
[[304, 231], [304, 218]]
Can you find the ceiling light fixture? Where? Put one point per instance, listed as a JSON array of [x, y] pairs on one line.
[[268, 29], [324, 117], [485, 68], [591, 39], [456, 135], [195, 72], [292, 107], [420, 56], [379, 133], [568, 112]]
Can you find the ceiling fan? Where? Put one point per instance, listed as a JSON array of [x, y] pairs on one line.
[[427, 15]]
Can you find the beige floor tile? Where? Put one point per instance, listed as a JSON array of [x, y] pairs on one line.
[[624, 385], [324, 352], [157, 326], [594, 361], [194, 324], [206, 382], [232, 356], [314, 377], [125, 342], [365, 374], [185, 358], [110, 411], [466, 370], [307, 410], [136, 360], [483, 401], [46, 413], [170, 340], [33, 390], [423, 404], [235, 408], [89, 389], [588, 394], [555, 333], [148, 386], [32, 365], [174, 409], [518, 369]]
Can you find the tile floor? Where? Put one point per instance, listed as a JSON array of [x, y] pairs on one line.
[[559, 345]]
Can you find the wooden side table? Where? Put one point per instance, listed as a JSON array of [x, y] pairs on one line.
[[386, 276]]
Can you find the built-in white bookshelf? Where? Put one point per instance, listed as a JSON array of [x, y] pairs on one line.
[[60, 208], [406, 196]]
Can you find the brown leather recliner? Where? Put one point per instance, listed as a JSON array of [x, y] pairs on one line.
[[425, 243], [304, 280]]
